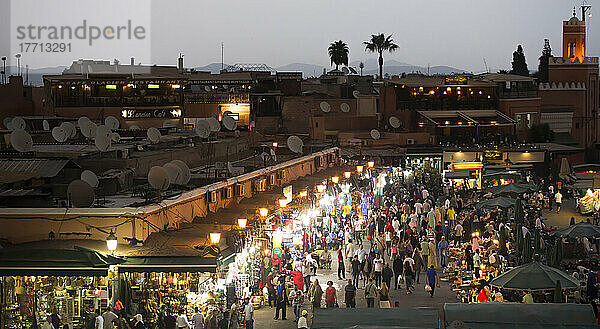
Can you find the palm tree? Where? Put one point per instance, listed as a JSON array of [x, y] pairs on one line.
[[338, 52], [362, 66], [378, 44]]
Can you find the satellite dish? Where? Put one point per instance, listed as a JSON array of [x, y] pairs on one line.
[[356, 93], [69, 129], [82, 121], [112, 123], [169, 124], [8, 123], [229, 123], [394, 122], [264, 156], [185, 174], [46, 125], [88, 129], [202, 131], [214, 124], [18, 123], [344, 107], [134, 127], [295, 144], [102, 131], [375, 134], [81, 194], [115, 137], [21, 140], [153, 135], [102, 142], [89, 177], [207, 88], [59, 134], [325, 107], [158, 178], [173, 171]]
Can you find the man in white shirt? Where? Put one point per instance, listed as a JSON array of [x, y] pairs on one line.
[[182, 320], [99, 322], [558, 198], [425, 194], [418, 207], [198, 319], [350, 249], [396, 225], [302, 323], [249, 314], [378, 268]]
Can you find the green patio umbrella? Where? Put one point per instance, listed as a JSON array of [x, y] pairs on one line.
[[519, 212], [502, 202], [514, 188], [558, 293], [534, 276], [527, 252], [579, 230]]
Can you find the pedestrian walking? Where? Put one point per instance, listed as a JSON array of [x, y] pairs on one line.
[[330, 295], [370, 293], [315, 294], [378, 268], [249, 314], [350, 295], [297, 298], [281, 300], [341, 269], [397, 265], [387, 274], [432, 280]]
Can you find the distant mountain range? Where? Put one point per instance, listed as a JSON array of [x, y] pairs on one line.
[[391, 67]]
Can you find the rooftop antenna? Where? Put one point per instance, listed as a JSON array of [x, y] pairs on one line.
[[486, 67], [27, 74], [222, 56], [427, 68]]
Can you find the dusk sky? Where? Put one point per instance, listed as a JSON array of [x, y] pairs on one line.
[[457, 33]]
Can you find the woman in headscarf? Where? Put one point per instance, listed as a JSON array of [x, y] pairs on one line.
[[138, 322]]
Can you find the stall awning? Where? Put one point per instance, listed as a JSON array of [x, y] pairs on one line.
[[55, 262], [461, 174], [416, 317], [169, 264]]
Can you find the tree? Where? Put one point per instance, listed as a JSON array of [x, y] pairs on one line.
[[543, 65], [504, 72], [379, 43], [519, 64], [338, 53], [361, 66]]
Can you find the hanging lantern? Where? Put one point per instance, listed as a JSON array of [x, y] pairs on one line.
[[371, 164], [359, 169], [283, 203], [111, 241], [215, 237], [335, 179], [320, 188], [263, 212], [303, 194], [242, 222], [347, 174]]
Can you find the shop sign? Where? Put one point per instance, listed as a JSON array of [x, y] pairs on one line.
[[492, 155], [365, 209], [346, 210], [25, 304], [456, 80], [153, 113]]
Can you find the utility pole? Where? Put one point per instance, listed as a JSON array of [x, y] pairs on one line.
[[222, 56]]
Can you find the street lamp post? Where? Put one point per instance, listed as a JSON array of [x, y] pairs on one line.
[[4, 69], [111, 242]]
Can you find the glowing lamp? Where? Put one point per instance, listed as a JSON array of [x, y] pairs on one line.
[[347, 174], [275, 144], [215, 237], [242, 222], [263, 212], [320, 188], [111, 241], [335, 179], [359, 169], [303, 194], [371, 164], [283, 203]]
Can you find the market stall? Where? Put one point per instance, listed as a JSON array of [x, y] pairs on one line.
[[37, 282]]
